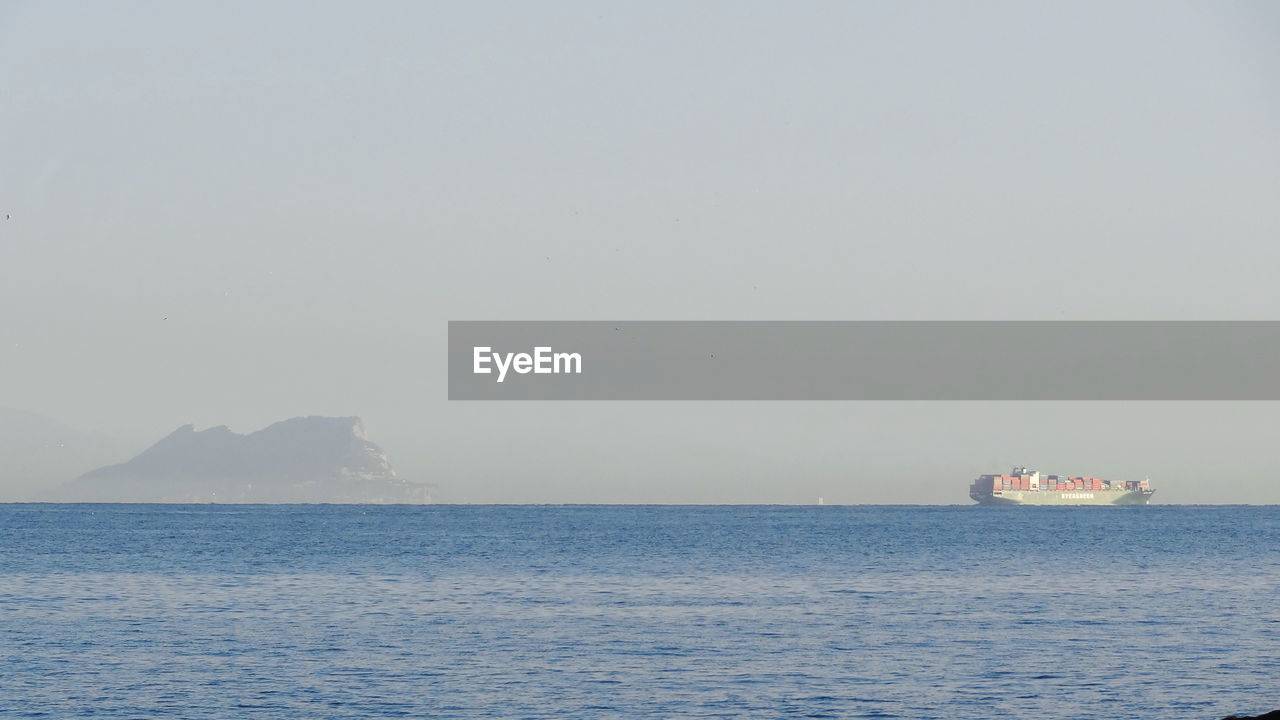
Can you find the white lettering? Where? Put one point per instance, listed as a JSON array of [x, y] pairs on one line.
[[480, 358], [523, 363], [572, 363], [503, 366], [543, 361]]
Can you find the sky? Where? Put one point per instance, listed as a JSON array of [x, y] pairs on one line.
[[234, 213]]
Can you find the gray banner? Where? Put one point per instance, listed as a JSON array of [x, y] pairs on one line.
[[871, 360]]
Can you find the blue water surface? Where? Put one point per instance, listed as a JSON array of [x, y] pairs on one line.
[[221, 611]]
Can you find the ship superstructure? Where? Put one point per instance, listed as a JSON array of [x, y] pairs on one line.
[[1030, 487]]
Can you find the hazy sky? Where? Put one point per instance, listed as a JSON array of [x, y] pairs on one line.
[[232, 213]]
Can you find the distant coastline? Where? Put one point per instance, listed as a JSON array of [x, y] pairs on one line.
[[305, 460]]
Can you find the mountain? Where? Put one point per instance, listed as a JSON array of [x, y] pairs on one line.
[[38, 453], [301, 460]]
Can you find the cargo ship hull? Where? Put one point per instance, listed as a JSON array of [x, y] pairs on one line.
[[1074, 497]]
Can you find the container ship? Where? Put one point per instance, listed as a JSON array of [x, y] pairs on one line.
[[1029, 487]]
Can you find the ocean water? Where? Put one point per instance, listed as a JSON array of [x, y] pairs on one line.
[[186, 611]]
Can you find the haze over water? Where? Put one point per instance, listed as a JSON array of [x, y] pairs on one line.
[[235, 213], [551, 612]]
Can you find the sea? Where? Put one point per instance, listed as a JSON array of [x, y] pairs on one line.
[[331, 611]]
